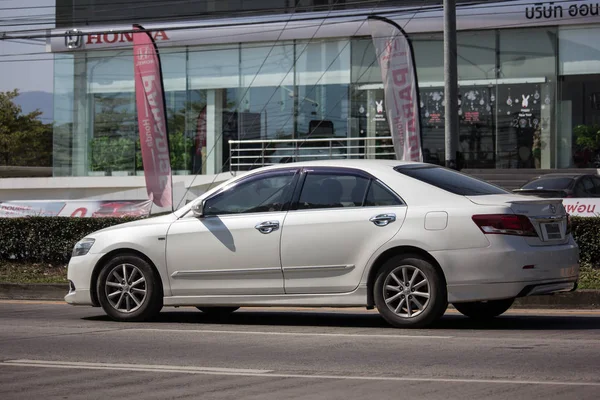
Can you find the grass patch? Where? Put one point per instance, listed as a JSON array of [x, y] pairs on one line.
[[17, 272], [589, 278]]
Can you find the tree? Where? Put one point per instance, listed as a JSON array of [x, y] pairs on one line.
[[24, 139]]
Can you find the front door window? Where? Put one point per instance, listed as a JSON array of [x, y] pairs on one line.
[[268, 193]]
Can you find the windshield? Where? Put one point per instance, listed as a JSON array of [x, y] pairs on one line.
[[450, 180], [558, 183]]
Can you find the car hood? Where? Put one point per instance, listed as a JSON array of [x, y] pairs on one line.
[[163, 219]]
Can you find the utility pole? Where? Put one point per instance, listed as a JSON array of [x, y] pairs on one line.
[[450, 83]]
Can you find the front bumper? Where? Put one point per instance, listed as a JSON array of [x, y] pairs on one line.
[[79, 274]]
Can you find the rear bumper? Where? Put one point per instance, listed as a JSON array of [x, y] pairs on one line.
[[509, 268], [498, 291]]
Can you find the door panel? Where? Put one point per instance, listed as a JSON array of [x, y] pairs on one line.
[[225, 255], [234, 247], [326, 251]]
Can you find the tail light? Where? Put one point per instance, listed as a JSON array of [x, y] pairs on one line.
[[568, 224], [505, 224]]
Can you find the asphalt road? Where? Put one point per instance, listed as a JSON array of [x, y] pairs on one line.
[[56, 351]]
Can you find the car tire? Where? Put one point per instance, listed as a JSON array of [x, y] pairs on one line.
[[484, 309], [396, 287], [139, 299], [217, 311]]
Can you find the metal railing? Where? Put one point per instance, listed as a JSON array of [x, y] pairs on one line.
[[249, 154]]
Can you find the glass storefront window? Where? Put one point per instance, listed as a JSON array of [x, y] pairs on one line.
[[322, 81], [267, 91], [579, 107], [113, 119], [429, 58], [213, 74], [64, 107], [528, 53], [312, 89], [476, 55]]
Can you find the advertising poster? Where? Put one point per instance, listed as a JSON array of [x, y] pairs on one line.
[[75, 208]]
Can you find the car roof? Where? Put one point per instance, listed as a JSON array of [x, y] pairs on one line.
[[572, 175], [348, 163]]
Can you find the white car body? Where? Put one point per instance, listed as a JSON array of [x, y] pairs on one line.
[[327, 257]]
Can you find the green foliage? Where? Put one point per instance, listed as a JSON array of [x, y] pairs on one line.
[[587, 136], [586, 231], [24, 139], [181, 151], [589, 278], [51, 239], [181, 148], [46, 239], [112, 154]]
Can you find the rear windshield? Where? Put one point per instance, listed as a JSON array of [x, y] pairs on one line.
[[450, 180], [549, 183]]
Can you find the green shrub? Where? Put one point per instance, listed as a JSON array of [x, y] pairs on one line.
[[46, 239], [51, 239], [586, 231]]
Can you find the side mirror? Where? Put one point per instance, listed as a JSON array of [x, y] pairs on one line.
[[198, 209]]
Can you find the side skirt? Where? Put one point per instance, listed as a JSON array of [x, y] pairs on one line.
[[357, 298]]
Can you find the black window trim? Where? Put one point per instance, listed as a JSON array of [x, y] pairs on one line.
[[256, 176], [342, 171]]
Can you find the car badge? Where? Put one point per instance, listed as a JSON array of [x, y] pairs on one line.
[[73, 39]]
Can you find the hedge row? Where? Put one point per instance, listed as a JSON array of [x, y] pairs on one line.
[[51, 239], [586, 231], [46, 239]]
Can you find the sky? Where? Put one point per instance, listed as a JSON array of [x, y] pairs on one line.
[[18, 68]]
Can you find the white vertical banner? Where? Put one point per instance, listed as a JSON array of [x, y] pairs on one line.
[[395, 56]]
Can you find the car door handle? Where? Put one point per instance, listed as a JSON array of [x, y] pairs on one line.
[[383, 219], [267, 226]]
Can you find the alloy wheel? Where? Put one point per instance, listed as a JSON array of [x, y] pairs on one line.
[[407, 291], [125, 288]]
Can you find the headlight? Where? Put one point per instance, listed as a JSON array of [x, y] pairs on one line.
[[82, 247]]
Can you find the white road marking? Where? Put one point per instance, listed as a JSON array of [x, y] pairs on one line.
[[349, 335], [269, 374], [134, 367]]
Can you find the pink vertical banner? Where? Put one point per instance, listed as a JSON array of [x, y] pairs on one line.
[[151, 111], [395, 56]]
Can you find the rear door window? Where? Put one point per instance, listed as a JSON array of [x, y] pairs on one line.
[[324, 189], [331, 190], [380, 196]]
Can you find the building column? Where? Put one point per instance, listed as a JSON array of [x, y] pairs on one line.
[[214, 131], [547, 126], [82, 127]]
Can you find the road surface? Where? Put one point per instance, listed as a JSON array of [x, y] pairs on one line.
[[56, 351]]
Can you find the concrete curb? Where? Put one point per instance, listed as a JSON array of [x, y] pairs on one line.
[[583, 299], [33, 291]]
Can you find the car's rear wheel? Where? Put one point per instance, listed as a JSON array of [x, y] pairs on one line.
[[410, 292], [129, 289], [484, 309], [217, 311]]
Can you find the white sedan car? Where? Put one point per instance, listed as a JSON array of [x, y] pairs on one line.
[[406, 238]]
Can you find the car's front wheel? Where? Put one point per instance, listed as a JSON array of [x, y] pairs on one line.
[[129, 289], [484, 309], [410, 292]]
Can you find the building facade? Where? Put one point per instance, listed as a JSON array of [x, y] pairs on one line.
[[529, 82]]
